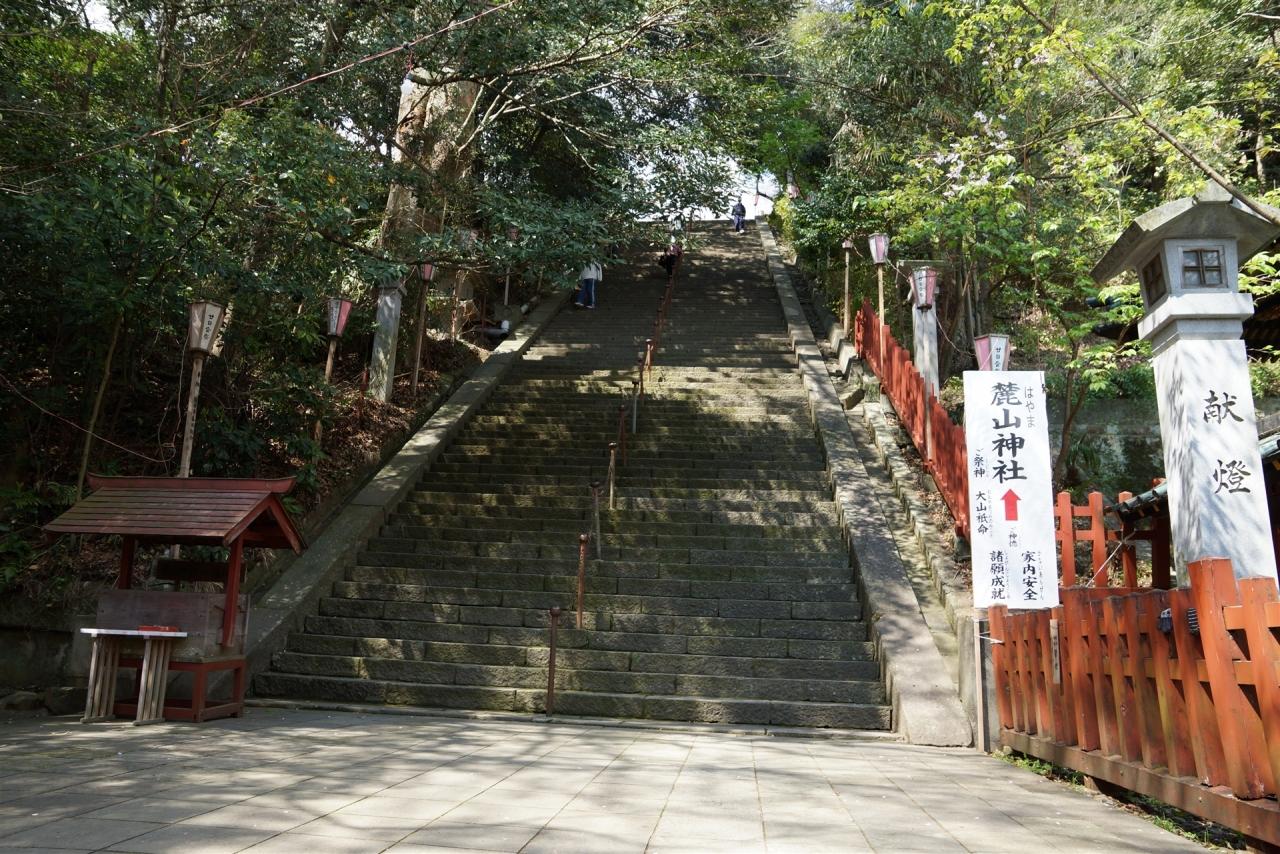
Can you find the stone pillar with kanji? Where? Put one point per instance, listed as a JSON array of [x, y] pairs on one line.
[[1187, 255]]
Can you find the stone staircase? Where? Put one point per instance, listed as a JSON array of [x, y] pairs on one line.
[[723, 591]]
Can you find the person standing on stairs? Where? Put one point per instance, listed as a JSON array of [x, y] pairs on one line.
[[590, 275], [739, 213]]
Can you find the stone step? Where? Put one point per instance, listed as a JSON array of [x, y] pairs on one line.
[[635, 469], [860, 664], [596, 704], [468, 624], [482, 493], [611, 523], [819, 514], [725, 593], [646, 452], [450, 479], [826, 690], [569, 552], [632, 510], [397, 536], [371, 599], [767, 568], [794, 591], [397, 631], [636, 459]]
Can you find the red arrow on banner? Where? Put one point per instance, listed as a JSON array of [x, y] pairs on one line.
[[1010, 500]]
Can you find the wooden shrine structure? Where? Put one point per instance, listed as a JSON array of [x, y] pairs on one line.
[[178, 631]]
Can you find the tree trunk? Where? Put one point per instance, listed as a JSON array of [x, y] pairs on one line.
[[431, 119]]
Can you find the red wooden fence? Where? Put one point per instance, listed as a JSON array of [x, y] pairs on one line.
[[937, 438], [1187, 711], [1113, 551]]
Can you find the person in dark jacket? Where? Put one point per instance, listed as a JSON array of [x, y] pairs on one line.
[[739, 216]]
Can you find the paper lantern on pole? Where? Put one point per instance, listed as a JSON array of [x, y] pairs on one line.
[[879, 243], [846, 244], [427, 271], [924, 287], [992, 351], [204, 324], [339, 312]]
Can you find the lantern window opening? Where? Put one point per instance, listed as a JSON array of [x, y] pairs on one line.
[[1202, 268], [1154, 286]]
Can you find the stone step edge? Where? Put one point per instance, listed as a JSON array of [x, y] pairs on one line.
[[644, 699], [708, 656], [589, 671], [744, 730]]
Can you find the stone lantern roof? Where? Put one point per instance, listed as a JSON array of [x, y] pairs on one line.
[[1212, 212]]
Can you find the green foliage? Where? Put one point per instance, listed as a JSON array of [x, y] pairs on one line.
[[245, 152], [980, 141], [1264, 378]]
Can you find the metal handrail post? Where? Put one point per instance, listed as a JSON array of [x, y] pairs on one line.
[[554, 613], [613, 464], [595, 512], [622, 430], [649, 353], [583, 539], [635, 404]]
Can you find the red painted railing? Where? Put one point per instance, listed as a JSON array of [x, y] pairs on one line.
[[1172, 693], [939, 440]]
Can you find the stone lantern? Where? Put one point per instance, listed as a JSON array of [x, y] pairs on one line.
[[1186, 255]]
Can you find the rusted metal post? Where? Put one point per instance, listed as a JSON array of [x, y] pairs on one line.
[[622, 430], [613, 464], [648, 347], [640, 373], [635, 404], [595, 512], [554, 613], [583, 539]]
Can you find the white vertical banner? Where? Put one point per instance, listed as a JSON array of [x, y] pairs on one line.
[[1006, 429]]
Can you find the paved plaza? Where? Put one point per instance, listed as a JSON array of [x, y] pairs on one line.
[[339, 783]]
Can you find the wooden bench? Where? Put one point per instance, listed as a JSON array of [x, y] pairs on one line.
[[153, 671]]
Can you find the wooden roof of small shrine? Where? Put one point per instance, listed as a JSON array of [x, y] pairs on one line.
[[210, 511]]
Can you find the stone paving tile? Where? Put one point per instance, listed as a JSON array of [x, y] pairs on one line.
[[490, 837], [253, 818], [299, 843], [564, 841], [412, 848], [193, 839], [160, 810], [77, 832], [399, 808], [316, 783], [356, 826]]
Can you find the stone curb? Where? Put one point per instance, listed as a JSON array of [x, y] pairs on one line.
[[908, 484], [926, 709], [295, 593], [650, 725]]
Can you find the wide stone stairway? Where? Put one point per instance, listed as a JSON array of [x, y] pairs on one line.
[[723, 592]]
